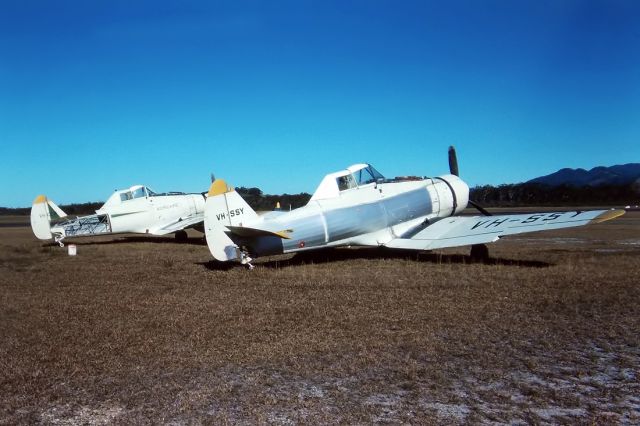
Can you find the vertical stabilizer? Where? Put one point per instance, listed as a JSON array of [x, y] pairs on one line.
[[227, 206], [224, 207], [43, 211]]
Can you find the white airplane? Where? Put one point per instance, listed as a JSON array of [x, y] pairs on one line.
[[359, 207], [134, 210]]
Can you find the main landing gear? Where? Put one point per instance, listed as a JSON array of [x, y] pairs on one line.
[[479, 253], [246, 260], [181, 236]]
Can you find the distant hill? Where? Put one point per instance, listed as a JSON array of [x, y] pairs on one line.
[[623, 174]]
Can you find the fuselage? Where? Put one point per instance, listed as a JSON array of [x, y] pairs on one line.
[[368, 214], [134, 210], [146, 214]]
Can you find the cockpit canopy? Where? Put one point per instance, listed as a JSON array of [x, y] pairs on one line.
[[352, 177], [124, 195]]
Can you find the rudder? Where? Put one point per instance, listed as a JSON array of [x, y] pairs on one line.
[[224, 207], [227, 207], [43, 211]]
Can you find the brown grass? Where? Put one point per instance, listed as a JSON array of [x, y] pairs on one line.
[[144, 330]]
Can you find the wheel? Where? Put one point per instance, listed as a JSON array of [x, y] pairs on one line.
[[181, 236], [479, 253]]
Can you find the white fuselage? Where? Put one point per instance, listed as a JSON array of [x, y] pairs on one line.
[[136, 210], [371, 214], [148, 214]]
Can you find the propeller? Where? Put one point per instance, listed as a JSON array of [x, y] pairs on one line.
[[480, 208], [453, 161], [453, 169]]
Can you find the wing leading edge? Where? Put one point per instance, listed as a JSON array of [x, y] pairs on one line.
[[469, 230]]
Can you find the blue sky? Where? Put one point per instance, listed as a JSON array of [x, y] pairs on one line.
[[101, 95]]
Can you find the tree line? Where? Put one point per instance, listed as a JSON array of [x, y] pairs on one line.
[[508, 195], [265, 202], [253, 196], [536, 194]]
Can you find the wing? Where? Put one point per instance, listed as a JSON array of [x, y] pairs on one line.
[[468, 230], [179, 224]]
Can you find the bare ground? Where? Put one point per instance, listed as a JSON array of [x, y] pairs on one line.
[[139, 330]]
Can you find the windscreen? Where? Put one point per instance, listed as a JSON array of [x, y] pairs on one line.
[[367, 175], [139, 193]]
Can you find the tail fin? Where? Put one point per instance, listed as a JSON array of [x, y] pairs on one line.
[[224, 207], [43, 211]]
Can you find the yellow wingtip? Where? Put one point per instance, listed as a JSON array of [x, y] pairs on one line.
[[608, 215], [40, 199], [219, 186]]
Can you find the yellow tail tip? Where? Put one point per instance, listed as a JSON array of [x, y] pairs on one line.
[[40, 199], [219, 186]]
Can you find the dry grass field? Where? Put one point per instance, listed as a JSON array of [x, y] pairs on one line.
[[145, 330]]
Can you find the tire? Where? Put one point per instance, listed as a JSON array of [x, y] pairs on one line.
[[181, 236], [479, 253]]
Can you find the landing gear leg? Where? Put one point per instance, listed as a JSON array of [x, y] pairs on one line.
[[181, 236], [246, 260], [59, 239], [479, 253]]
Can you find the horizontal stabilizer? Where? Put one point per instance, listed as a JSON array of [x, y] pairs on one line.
[[55, 211], [243, 231], [469, 230]]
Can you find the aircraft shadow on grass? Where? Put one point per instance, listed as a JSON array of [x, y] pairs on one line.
[[336, 255], [344, 254], [325, 255], [196, 241]]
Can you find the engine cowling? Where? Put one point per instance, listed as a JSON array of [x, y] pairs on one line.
[[451, 195]]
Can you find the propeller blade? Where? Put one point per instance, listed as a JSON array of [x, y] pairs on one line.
[[453, 169], [480, 208], [453, 161]]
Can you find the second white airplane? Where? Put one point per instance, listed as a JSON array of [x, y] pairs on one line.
[[133, 210]]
